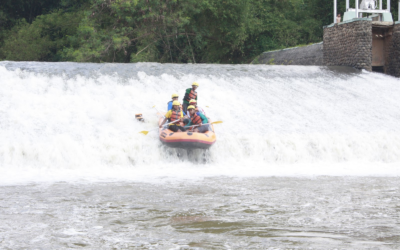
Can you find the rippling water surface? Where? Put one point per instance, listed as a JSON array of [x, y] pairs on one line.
[[215, 213], [306, 157]]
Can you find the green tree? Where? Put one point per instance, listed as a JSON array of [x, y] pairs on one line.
[[179, 31], [213, 31], [43, 40]]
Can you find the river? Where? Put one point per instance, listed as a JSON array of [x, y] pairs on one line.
[[306, 158]]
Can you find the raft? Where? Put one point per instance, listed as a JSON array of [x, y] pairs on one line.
[[186, 140]]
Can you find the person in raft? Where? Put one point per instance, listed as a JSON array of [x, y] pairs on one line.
[[175, 114], [189, 95], [197, 119], [174, 98], [197, 108]]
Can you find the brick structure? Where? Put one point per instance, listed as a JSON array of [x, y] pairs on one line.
[[393, 53], [349, 44], [360, 43]]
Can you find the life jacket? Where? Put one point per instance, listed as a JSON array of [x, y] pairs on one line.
[[176, 115], [191, 95], [196, 119]]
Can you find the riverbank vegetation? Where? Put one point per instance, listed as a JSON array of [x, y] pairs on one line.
[[167, 31]]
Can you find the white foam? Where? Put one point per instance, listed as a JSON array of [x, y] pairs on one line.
[[58, 127]]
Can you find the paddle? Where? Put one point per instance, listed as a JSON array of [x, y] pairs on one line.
[[158, 111], [146, 132], [217, 122]]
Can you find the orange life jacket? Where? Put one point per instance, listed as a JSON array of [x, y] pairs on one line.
[[192, 95], [176, 115], [196, 119]]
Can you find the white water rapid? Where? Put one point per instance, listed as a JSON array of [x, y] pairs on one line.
[[306, 158], [71, 121]]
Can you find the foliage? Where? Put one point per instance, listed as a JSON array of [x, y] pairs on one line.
[[178, 31], [43, 39], [212, 31]]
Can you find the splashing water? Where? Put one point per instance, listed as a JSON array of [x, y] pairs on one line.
[[66, 121]]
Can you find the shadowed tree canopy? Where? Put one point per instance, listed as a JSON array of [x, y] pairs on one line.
[[178, 31]]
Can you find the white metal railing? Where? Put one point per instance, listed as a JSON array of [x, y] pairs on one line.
[[334, 10], [367, 6]]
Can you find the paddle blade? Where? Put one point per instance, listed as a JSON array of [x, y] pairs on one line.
[[217, 122], [144, 132]]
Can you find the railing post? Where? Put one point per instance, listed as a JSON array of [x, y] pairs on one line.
[[380, 4], [356, 8], [347, 5], [334, 11], [388, 5]]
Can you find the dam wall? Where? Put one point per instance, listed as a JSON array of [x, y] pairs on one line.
[[364, 44], [306, 55], [349, 44], [360, 43], [393, 67]]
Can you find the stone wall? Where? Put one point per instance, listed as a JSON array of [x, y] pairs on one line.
[[307, 55], [388, 45], [393, 58], [349, 44]]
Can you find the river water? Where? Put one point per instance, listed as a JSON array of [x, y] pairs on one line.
[[306, 158]]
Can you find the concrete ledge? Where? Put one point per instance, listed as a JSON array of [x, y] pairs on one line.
[[307, 55], [349, 21]]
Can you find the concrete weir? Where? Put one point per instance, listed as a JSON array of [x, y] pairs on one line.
[[360, 43], [305, 55], [363, 44], [371, 43]]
